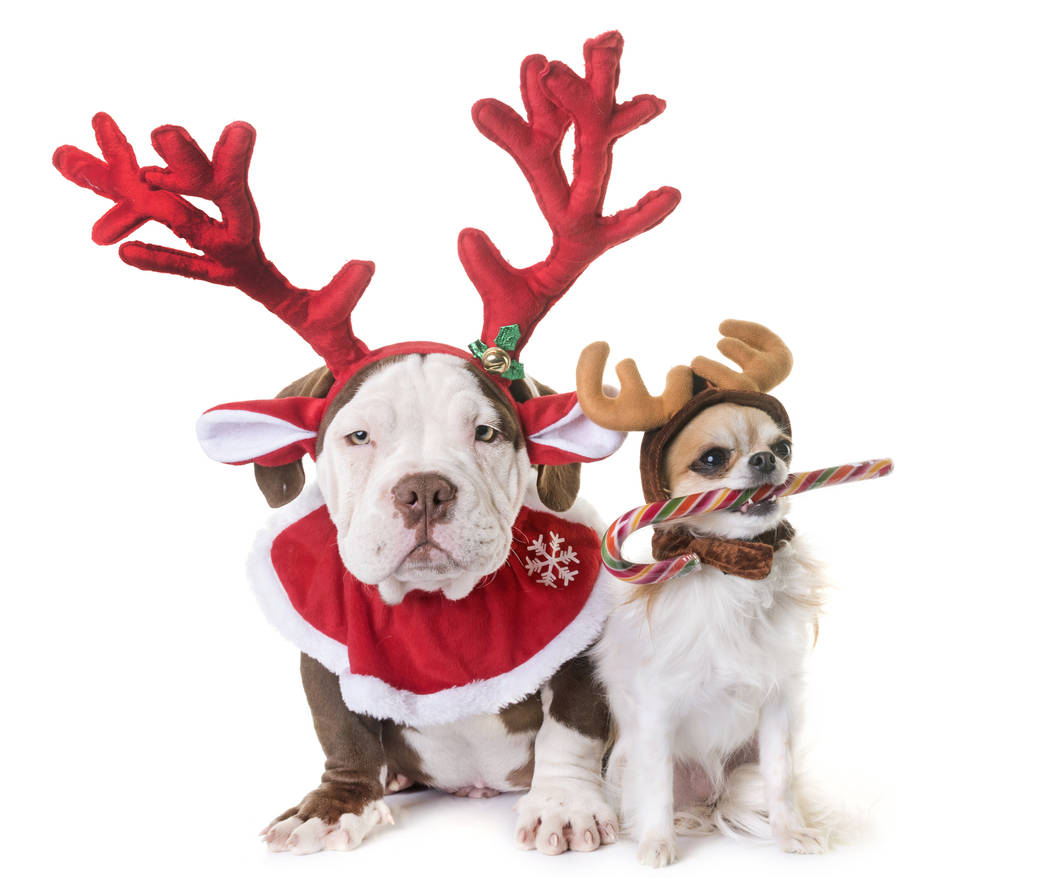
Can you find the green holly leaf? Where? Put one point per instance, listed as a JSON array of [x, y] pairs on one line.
[[508, 337]]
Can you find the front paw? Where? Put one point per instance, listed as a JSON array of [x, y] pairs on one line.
[[657, 851], [318, 825], [559, 818]]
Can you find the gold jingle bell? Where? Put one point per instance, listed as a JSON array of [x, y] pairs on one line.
[[495, 360]]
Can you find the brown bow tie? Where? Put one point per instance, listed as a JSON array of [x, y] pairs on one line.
[[751, 559]]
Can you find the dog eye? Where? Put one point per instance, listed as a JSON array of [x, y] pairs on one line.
[[358, 437], [710, 460], [782, 449], [485, 433]]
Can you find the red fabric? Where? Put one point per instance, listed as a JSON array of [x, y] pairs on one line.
[[535, 414], [229, 252], [555, 97], [303, 412], [232, 255], [287, 454], [428, 643]]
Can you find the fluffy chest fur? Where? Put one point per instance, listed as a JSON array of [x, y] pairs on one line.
[[707, 652]]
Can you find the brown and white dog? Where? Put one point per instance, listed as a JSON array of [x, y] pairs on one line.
[[704, 671], [440, 430], [426, 508]]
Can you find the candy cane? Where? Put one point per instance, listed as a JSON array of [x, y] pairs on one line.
[[709, 501]]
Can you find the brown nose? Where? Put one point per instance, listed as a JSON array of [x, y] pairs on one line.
[[424, 498]]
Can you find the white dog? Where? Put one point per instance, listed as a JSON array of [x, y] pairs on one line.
[[704, 672]]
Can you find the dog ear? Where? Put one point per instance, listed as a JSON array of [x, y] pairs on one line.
[[282, 484], [556, 485]]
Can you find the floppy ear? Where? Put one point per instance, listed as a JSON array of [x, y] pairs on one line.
[[556, 485], [282, 484]]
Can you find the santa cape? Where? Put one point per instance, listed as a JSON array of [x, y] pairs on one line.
[[430, 660]]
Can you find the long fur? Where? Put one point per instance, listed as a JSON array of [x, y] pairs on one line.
[[702, 676]]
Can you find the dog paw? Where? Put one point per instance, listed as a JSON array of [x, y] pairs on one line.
[[800, 839], [556, 819], [298, 836], [657, 851]]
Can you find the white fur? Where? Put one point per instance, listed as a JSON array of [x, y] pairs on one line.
[[710, 664], [313, 835], [565, 808], [477, 753], [716, 661], [420, 414]]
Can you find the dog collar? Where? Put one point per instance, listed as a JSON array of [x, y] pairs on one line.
[[751, 559]]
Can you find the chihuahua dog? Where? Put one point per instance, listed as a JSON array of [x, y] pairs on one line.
[[704, 672]]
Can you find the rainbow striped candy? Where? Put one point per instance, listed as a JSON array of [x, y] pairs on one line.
[[709, 501]]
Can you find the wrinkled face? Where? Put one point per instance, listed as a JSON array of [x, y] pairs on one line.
[[730, 446], [424, 471]]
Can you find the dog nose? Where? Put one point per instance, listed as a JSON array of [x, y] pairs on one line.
[[764, 462], [424, 497]]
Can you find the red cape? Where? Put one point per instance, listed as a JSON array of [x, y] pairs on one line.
[[430, 659]]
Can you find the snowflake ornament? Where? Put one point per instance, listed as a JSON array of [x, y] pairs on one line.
[[552, 563]]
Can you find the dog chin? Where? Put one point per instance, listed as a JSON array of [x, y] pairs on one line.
[[452, 585], [432, 569]]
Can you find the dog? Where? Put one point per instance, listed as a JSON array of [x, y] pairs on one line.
[[703, 672], [434, 427], [441, 590]]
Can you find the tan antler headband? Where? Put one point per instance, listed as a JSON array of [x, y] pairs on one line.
[[764, 359]]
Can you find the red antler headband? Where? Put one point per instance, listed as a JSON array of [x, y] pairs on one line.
[[515, 300]]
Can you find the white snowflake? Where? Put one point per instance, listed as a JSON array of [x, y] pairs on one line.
[[551, 561]]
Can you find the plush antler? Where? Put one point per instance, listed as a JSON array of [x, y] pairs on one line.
[[229, 248], [634, 408], [765, 359], [555, 97]]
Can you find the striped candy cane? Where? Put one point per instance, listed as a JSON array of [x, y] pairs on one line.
[[709, 501]]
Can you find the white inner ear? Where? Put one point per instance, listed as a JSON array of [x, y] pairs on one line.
[[575, 433], [234, 436]]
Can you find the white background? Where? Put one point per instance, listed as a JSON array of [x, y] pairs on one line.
[[871, 180]]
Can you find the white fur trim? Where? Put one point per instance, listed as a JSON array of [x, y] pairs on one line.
[[577, 434], [236, 435], [274, 599], [371, 695]]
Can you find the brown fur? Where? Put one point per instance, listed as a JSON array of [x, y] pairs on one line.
[[352, 747], [402, 757], [521, 777], [524, 716], [578, 700], [508, 424]]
